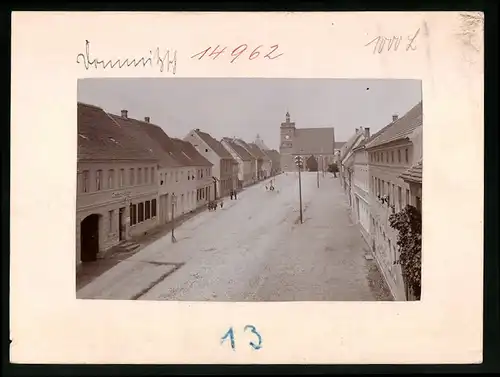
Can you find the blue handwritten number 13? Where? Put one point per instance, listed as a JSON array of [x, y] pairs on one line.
[[230, 334]]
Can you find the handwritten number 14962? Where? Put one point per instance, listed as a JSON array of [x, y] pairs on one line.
[[229, 335], [265, 52]]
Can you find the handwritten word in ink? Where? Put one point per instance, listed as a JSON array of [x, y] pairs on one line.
[[251, 53], [229, 335], [381, 44], [163, 60]]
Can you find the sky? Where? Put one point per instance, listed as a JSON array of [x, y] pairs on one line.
[[245, 107]]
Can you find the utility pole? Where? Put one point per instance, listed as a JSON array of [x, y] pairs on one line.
[[215, 187], [299, 162], [174, 202], [317, 175]]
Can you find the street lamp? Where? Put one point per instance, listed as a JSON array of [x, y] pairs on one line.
[[299, 161], [174, 202]]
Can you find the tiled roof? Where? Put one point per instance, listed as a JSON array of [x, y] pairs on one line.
[[314, 141], [245, 145], [191, 153], [238, 149], [216, 146], [414, 174], [349, 144], [99, 138], [152, 137], [399, 129], [256, 151]]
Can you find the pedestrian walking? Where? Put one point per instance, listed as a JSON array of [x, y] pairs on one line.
[[221, 204], [235, 195], [266, 187], [231, 193]]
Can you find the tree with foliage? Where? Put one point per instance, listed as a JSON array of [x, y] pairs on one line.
[[408, 223], [333, 168]]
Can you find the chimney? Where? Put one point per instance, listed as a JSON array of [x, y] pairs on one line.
[[367, 132], [147, 119], [395, 117], [124, 113]]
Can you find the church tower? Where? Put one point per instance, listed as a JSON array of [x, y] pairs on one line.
[[287, 133]]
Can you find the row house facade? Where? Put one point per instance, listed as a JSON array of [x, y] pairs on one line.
[[256, 157], [381, 174], [131, 178], [176, 175], [202, 174], [223, 170], [390, 155], [245, 162], [346, 159], [264, 163], [117, 186]]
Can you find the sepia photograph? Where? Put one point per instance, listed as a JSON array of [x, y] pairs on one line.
[[249, 189]]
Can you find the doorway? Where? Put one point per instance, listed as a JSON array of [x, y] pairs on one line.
[[121, 224], [89, 238]]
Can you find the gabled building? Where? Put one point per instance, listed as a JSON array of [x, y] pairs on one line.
[[263, 161], [117, 186], [256, 164], [244, 159], [202, 175], [394, 158], [346, 159], [223, 170]]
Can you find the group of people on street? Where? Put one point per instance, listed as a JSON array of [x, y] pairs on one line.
[[213, 204], [232, 193]]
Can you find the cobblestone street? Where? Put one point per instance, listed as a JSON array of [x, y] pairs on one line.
[[255, 249]]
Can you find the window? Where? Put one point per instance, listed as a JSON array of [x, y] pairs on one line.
[[201, 173], [407, 197], [85, 181], [111, 221], [161, 178], [153, 180], [98, 180], [111, 179], [148, 210], [177, 176], [122, 177], [399, 155], [189, 175], [131, 177], [146, 175], [393, 195], [387, 157], [400, 198], [140, 214], [153, 208], [407, 157], [133, 214], [392, 157], [139, 176]]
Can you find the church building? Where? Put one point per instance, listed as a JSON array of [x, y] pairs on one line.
[[307, 142]]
